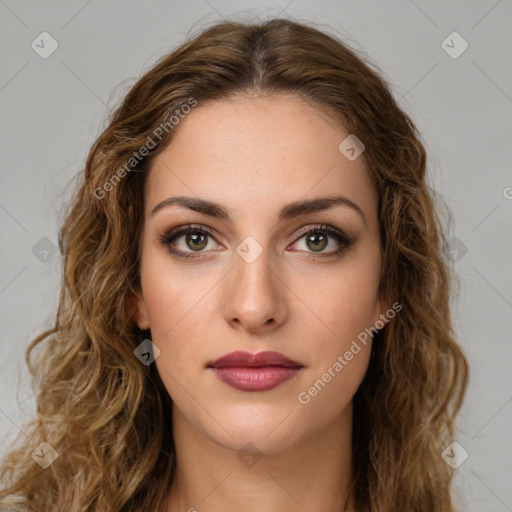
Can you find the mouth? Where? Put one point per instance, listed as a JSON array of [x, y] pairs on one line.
[[254, 372]]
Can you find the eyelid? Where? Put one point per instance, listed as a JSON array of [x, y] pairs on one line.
[[169, 235], [343, 238]]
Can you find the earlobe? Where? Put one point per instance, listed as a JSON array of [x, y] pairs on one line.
[[387, 311], [138, 307], [382, 317]]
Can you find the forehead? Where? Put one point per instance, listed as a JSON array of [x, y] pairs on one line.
[[240, 150]]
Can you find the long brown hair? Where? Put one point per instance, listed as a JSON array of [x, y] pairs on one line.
[[109, 417]]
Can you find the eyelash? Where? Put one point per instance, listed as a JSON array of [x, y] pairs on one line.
[[342, 238]]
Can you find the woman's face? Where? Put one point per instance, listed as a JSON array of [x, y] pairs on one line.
[[255, 280]]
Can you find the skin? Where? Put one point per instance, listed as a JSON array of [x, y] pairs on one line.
[[255, 155]]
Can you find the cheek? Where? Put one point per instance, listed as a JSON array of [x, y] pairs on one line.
[[341, 301], [332, 389], [172, 293], [345, 305], [343, 344], [176, 329], [178, 301]]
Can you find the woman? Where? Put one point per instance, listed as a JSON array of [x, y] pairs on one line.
[[255, 306]]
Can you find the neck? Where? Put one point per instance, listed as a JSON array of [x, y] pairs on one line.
[[315, 475]]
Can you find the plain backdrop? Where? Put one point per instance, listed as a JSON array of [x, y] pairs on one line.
[[53, 108]]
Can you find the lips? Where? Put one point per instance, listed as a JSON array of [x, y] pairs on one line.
[[254, 372], [248, 360]]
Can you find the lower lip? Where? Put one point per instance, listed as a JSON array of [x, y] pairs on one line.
[[255, 379]]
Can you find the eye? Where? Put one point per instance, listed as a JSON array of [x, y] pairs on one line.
[[190, 241], [323, 240], [184, 241]]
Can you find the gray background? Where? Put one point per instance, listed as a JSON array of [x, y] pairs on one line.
[[52, 110]]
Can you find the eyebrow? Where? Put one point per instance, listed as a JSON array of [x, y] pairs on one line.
[[290, 211]]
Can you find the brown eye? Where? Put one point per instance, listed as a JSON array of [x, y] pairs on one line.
[[322, 241], [196, 241], [189, 241]]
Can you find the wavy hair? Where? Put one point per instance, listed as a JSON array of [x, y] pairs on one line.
[[109, 417]]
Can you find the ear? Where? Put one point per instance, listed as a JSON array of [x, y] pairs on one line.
[[382, 307], [386, 311], [138, 308]]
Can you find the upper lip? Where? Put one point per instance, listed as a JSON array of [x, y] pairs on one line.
[[239, 359]]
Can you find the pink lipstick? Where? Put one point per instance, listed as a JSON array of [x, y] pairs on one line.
[[254, 372]]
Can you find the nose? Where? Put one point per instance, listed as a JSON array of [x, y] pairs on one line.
[[255, 296]]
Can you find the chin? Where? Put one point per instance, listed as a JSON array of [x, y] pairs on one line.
[[270, 431], [259, 441]]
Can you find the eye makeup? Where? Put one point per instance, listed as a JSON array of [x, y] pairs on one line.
[[198, 232]]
